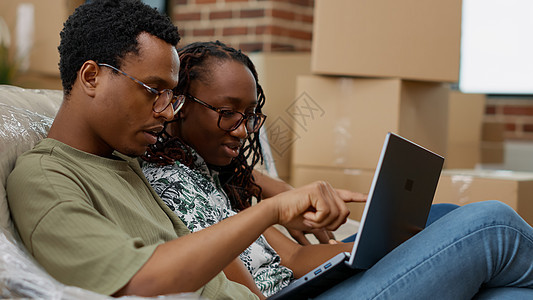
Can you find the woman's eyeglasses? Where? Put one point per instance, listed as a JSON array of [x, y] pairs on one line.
[[162, 98], [229, 120]]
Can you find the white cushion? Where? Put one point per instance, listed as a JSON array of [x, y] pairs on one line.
[[25, 118]]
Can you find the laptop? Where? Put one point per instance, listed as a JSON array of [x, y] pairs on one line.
[[397, 208]]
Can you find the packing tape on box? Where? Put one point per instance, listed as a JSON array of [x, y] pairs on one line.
[[461, 184]]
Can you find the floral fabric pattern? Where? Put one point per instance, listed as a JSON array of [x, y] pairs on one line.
[[197, 198]]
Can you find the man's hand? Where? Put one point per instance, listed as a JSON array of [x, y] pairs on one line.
[[315, 206], [322, 235], [349, 196]]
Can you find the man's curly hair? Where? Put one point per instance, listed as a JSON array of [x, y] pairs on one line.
[[105, 31], [197, 60]]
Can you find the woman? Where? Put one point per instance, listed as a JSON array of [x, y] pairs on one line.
[[202, 167], [196, 189]]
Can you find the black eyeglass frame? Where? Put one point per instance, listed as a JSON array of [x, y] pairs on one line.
[[175, 101], [220, 111]]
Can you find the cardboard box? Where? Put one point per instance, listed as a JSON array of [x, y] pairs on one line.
[[45, 19], [407, 39], [466, 186], [357, 180], [465, 113], [492, 152], [493, 132], [463, 156], [492, 145], [342, 122], [277, 75]]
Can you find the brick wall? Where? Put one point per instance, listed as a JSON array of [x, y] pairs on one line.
[[250, 25], [516, 113]]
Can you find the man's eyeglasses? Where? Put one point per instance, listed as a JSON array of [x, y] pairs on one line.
[[162, 98], [229, 120]]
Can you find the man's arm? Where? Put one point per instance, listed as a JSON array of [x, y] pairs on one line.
[[174, 266]]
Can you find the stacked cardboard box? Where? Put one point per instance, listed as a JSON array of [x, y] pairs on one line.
[[466, 186], [37, 24], [382, 65], [408, 39], [457, 186], [277, 73], [379, 66], [492, 143], [465, 120], [350, 165], [342, 121]]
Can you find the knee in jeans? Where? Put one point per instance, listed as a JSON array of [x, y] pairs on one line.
[[494, 209]]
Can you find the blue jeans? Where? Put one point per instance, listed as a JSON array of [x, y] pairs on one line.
[[438, 210], [482, 250]]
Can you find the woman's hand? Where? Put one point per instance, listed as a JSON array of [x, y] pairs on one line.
[[323, 236]]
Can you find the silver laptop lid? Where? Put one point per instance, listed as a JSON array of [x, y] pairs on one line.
[[399, 199]]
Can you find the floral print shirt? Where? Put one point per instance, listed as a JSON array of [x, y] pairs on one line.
[[197, 198]]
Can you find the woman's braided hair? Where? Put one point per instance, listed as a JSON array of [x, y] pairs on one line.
[[196, 61]]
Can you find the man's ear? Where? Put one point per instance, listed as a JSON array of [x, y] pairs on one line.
[[88, 76]]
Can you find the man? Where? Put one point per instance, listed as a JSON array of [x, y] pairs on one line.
[[80, 202]]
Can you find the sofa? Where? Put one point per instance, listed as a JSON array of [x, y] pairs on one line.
[[25, 118]]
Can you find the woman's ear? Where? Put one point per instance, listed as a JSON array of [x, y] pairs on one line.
[[183, 111], [181, 114], [88, 77]]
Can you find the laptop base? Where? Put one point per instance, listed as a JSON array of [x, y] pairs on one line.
[[318, 281]]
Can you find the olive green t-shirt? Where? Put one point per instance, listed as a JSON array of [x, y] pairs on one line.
[[92, 222]]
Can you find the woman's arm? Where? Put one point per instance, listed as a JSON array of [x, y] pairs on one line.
[[270, 186], [237, 271], [302, 258]]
